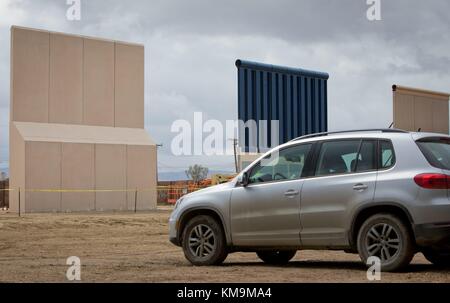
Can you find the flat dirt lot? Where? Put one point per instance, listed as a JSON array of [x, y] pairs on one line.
[[127, 247]]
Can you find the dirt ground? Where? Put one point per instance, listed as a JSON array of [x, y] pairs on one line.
[[128, 247]]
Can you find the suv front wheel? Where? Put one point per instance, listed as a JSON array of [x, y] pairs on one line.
[[387, 237], [204, 241]]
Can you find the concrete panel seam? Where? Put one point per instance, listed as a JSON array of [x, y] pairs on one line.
[[95, 175], [114, 84], [49, 76], [82, 83], [60, 174]]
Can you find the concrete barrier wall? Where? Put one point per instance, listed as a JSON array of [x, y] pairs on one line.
[[77, 123], [416, 109], [61, 78], [90, 167]]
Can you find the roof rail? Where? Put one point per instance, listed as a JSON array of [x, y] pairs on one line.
[[383, 130]]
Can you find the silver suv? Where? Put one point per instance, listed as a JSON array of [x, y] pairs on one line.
[[377, 192]]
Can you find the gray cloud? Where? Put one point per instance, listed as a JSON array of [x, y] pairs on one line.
[[191, 47]]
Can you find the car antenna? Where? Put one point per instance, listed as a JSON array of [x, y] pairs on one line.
[[392, 124], [419, 129]]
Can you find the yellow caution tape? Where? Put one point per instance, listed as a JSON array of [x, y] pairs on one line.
[[175, 187], [104, 190], [85, 190]]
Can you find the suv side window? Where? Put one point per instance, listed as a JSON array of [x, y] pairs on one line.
[[336, 157], [366, 157], [346, 156], [287, 166], [387, 155]]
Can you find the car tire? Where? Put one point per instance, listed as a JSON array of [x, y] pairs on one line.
[[204, 242], [441, 259], [276, 257], [387, 237]]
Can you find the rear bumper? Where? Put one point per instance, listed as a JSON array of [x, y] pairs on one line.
[[434, 234]]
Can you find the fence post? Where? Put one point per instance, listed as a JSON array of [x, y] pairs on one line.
[[135, 200], [19, 201]]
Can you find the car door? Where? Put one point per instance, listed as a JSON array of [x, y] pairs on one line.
[[266, 211], [345, 176]]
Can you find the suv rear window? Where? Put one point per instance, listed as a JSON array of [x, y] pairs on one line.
[[386, 154], [436, 151]]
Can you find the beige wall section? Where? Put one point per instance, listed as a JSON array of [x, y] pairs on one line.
[[110, 173], [77, 172], [42, 171], [141, 174], [125, 159], [29, 75], [129, 86], [404, 111], [66, 79], [55, 132], [423, 114], [98, 92], [416, 109], [440, 117], [17, 167], [77, 122], [61, 78]]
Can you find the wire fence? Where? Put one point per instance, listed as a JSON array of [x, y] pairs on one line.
[[166, 194], [4, 193]]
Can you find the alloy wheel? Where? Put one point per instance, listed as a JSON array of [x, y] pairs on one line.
[[383, 241], [202, 241]]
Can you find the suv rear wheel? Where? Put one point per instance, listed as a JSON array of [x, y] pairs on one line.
[[204, 241], [276, 257], [387, 237]]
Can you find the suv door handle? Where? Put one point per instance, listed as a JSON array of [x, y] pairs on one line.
[[291, 193], [360, 186]]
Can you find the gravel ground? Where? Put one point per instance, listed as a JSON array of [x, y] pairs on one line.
[[128, 247]]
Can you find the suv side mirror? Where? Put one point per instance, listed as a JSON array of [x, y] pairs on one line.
[[243, 179]]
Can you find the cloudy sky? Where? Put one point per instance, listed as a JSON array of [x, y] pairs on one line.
[[191, 47]]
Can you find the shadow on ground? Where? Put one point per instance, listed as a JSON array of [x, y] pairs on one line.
[[341, 265]]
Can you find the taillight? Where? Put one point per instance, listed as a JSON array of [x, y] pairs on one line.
[[432, 181]]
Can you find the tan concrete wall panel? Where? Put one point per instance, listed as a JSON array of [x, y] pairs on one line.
[[98, 91], [423, 114], [141, 174], [110, 173], [78, 173], [66, 84], [17, 167], [420, 109], [43, 171], [440, 117], [29, 72], [403, 111], [58, 80], [129, 86]]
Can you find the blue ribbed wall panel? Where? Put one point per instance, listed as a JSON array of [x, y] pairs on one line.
[[294, 96]]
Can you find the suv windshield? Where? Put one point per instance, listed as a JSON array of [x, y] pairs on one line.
[[436, 151]]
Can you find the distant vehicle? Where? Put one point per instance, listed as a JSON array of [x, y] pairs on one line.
[[377, 192]]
